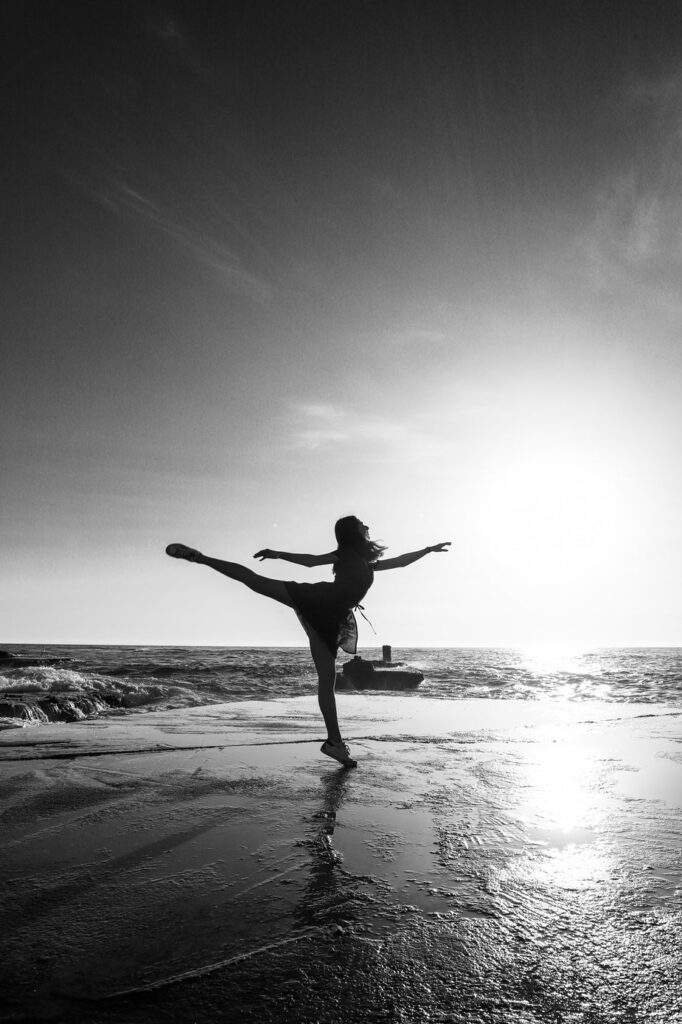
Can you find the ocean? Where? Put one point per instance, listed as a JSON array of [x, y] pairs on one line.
[[71, 683]]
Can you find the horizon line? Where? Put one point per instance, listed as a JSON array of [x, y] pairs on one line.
[[519, 645]]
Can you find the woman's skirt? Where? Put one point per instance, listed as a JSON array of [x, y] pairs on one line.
[[321, 607]]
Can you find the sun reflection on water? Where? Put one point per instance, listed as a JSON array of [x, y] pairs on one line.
[[541, 659], [565, 672], [558, 791], [563, 807], [576, 868]]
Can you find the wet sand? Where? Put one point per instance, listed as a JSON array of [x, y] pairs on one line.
[[488, 861]]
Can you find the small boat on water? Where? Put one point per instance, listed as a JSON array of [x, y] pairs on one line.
[[359, 674]]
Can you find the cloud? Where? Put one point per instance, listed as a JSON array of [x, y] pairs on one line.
[[635, 237], [318, 426], [183, 229], [637, 228], [152, 139], [369, 437], [177, 43]]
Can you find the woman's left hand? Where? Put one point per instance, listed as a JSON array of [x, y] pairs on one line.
[[266, 553], [441, 548]]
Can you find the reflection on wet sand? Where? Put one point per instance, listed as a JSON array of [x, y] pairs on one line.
[[324, 899], [513, 865]]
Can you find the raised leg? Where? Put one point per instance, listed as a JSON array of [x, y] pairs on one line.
[[325, 663], [274, 589]]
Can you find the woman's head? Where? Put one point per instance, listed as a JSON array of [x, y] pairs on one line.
[[351, 532]]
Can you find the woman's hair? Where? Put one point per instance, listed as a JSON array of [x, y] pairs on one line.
[[348, 534]]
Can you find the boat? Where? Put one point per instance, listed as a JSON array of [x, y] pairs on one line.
[[361, 674]]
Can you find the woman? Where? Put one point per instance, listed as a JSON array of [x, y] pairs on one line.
[[324, 609]]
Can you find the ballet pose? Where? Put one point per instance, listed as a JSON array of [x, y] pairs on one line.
[[324, 609]]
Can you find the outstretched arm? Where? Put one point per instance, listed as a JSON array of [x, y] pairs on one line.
[[400, 561], [307, 560]]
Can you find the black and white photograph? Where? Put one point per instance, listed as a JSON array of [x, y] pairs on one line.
[[340, 505]]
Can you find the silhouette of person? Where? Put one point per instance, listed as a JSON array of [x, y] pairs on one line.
[[325, 610]]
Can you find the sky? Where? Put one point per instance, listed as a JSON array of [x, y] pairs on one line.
[[268, 264]]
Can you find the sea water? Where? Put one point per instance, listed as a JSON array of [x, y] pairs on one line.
[[68, 683]]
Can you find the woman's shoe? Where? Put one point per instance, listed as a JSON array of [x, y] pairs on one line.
[[182, 551], [340, 752]]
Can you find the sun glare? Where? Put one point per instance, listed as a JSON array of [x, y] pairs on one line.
[[557, 520], [553, 658], [559, 796], [561, 806]]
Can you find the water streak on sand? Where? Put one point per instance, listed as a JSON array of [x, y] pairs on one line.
[[200, 972]]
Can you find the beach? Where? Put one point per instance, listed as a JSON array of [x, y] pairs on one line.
[[337, 331], [508, 861]]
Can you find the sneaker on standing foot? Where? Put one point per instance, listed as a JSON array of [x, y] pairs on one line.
[[340, 752]]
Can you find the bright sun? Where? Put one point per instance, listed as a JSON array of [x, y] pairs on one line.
[[556, 526]]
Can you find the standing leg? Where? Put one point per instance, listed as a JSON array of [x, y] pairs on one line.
[[325, 663]]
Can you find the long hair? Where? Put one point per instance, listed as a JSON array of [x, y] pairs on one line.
[[348, 534]]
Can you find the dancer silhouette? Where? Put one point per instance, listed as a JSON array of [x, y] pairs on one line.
[[324, 609]]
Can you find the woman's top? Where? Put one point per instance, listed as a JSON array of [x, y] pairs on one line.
[[352, 575], [326, 609]]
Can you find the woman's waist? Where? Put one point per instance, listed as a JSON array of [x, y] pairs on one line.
[[351, 596]]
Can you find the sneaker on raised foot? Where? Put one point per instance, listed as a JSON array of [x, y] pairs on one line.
[[182, 551], [340, 752]]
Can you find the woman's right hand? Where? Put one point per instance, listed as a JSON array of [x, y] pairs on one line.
[[266, 553]]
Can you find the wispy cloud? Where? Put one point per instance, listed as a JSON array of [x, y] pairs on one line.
[[198, 243], [635, 238], [369, 437], [177, 42], [173, 159]]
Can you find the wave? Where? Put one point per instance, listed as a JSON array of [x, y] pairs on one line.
[[94, 681], [39, 685], [22, 709]]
